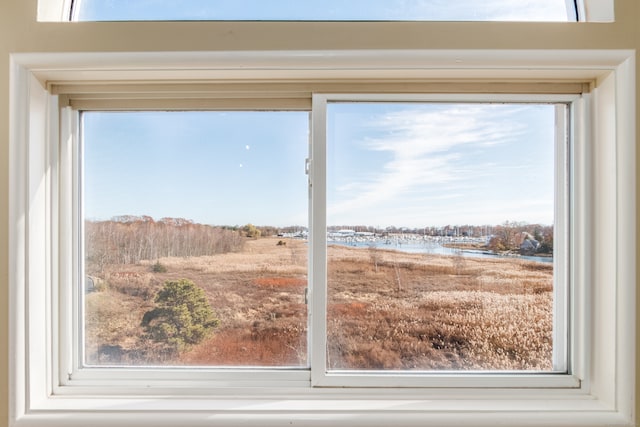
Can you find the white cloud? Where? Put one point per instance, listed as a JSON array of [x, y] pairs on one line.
[[429, 154]]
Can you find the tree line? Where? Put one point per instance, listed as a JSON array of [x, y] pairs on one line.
[[131, 239], [509, 236]]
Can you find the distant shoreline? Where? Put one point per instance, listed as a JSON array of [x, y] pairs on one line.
[[433, 246]]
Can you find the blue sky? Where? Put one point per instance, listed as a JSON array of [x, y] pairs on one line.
[[226, 168], [438, 164], [398, 164], [436, 10], [402, 165]]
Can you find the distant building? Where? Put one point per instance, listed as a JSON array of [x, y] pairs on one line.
[[528, 245]]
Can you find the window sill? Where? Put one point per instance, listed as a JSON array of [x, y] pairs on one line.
[[378, 408]]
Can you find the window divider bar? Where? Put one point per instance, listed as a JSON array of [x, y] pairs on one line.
[[318, 240], [562, 256], [321, 375]]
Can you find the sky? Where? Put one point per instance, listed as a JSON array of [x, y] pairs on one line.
[[223, 168], [430, 10], [401, 165], [438, 164], [389, 164]]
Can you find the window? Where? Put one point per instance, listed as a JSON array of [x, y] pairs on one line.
[[327, 10], [592, 220], [212, 204], [215, 198], [503, 10], [426, 203]]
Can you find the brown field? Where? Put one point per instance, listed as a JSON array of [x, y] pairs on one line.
[[386, 310]]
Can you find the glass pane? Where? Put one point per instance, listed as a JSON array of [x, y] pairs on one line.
[[195, 238], [440, 236], [327, 10]]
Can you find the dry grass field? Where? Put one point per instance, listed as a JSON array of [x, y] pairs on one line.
[[387, 310]]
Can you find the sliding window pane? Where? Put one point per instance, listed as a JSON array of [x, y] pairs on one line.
[[440, 236], [195, 238]]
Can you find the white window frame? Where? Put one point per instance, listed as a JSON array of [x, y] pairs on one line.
[[74, 373], [604, 168], [565, 197]]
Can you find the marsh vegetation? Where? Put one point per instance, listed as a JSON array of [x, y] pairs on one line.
[[386, 310]]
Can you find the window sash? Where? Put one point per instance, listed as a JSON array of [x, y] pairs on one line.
[[72, 369], [563, 260]]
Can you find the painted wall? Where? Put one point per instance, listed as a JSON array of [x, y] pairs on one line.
[[19, 32]]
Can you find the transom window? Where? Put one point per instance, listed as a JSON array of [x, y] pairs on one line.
[[326, 10]]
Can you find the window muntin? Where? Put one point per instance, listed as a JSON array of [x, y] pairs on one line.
[[170, 197], [440, 230], [327, 10]]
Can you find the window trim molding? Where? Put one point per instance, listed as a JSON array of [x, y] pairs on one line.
[[606, 396]]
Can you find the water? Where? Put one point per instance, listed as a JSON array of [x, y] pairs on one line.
[[426, 247]]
